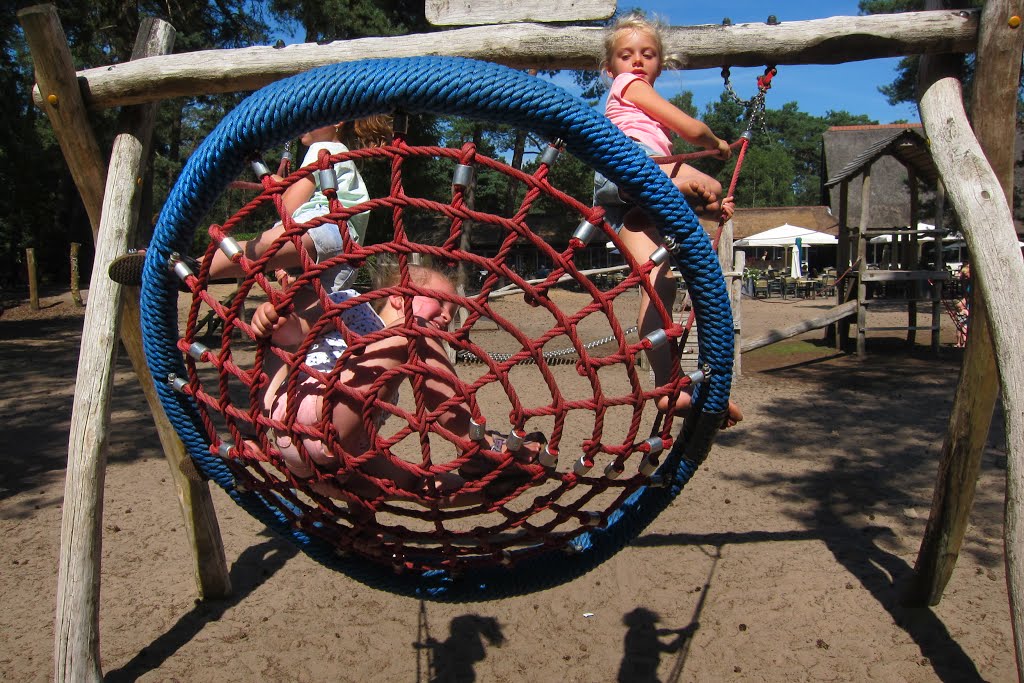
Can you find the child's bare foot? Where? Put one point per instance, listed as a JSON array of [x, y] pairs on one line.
[[697, 195]]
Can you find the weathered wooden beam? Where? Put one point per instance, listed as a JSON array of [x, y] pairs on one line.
[[819, 41], [998, 62], [998, 273], [480, 12], [76, 639], [903, 275], [830, 317]]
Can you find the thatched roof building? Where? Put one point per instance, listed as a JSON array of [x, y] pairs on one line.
[[888, 150]]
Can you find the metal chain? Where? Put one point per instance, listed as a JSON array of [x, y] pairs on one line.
[[559, 357], [755, 105]]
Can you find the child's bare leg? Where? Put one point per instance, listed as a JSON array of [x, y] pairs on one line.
[[641, 239]]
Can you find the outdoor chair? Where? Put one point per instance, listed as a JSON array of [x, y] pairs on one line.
[[828, 284], [788, 287], [761, 288]]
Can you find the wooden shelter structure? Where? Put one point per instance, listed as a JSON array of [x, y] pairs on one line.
[[878, 208], [978, 183]]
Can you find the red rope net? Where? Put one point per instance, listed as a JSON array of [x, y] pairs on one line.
[[419, 488]]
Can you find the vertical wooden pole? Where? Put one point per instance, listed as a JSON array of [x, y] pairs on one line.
[[940, 265], [999, 278], [725, 260], [33, 279], [76, 293], [739, 264], [911, 261], [862, 253], [842, 329], [76, 632]]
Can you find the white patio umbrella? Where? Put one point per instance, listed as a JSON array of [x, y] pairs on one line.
[[794, 267], [785, 236]]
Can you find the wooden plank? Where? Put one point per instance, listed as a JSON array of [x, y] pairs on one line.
[[904, 275], [819, 41], [480, 12], [975, 190], [900, 328], [832, 316]]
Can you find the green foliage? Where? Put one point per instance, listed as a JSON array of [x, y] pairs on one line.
[[40, 207]]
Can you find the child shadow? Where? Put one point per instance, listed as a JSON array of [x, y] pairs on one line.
[[453, 660], [644, 644]]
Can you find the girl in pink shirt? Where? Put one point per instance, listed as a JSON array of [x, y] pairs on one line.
[[634, 59]]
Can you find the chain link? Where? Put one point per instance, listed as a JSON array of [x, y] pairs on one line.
[[559, 357], [755, 106]]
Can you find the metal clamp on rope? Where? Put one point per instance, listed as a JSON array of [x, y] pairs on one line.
[[196, 350], [224, 449], [177, 383], [656, 338], [514, 441], [230, 247], [614, 470], [591, 518], [581, 466], [179, 266], [670, 244], [328, 180], [660, 256], [260, 168], [654, 447], [699, 376], [477, 430], [462, 178], [747, 135], [548, 457], [550, 155], [585, 232]]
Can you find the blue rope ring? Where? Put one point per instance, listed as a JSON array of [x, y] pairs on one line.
[[474, 90]]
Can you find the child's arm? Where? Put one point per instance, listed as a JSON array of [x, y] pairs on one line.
[[287, 331], [643, 95]]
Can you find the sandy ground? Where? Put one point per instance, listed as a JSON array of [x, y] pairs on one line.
[[784, 559]]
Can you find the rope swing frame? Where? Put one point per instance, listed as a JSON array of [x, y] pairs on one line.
[[473, 90]]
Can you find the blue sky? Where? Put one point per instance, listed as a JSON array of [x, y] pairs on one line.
[[815, 88]]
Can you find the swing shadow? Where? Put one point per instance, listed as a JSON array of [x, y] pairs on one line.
[[254, 566], [453, 660], [644, 642]]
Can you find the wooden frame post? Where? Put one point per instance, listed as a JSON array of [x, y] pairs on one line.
[[862, 262], [113, 215], [976, 191]]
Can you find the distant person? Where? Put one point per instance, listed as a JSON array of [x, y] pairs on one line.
[[962, 307]]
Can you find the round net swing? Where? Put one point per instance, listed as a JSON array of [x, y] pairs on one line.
[[425, 505]]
